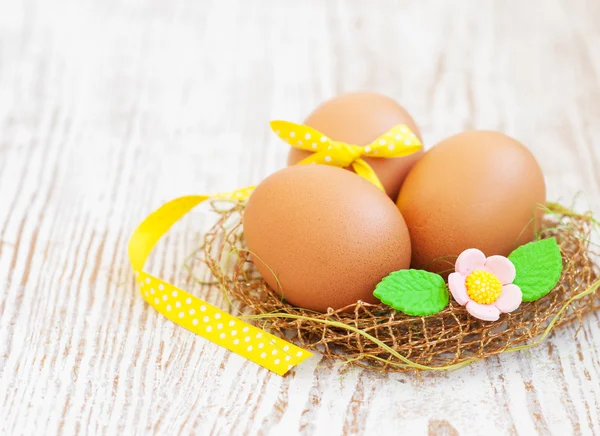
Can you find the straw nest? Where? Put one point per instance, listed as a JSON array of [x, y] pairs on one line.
[[380, 338]]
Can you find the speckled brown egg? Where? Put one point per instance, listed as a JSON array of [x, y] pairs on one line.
[[476, 189], [328, 235], [359, 119]]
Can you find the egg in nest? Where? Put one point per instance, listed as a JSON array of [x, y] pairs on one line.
[[478, 189], [323, 237]]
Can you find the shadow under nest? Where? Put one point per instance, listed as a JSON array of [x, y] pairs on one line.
[[378, 337]]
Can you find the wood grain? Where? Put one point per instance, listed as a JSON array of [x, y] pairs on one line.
[[109, 108]]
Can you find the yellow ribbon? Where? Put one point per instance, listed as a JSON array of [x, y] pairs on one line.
[[194, 314], [397, 142], [212, 323]]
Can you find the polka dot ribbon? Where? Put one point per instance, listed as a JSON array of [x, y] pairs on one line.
[[198, 316], [397, 142]]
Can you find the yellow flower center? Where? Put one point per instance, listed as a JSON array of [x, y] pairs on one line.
[[483, 287]]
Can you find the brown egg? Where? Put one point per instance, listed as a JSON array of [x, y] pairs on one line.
[[359, 119], [473, 190], [327, 234]]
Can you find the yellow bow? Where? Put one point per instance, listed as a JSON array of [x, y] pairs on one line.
[[397, 142]]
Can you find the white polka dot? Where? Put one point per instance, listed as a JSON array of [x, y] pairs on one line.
[[188, 300], [292, 134], [174, 293], [249, 348], [152, 291], [231, 323], [368, 149], [165, 298], [382, 142], [287, 347], [217, 316], [181, 314], [299, 353], [245, 329], [404, 129], [222, 335], [329, 147], [398, 137], [203, 308], [233, 332], [195, 321], [169, 307], [247, 339], [287, 357], [219, 326], [146, 293], [314, 145], [236, 341], [391, 147], [299, 142], [161, 287], [209, 328], [258, 335], [192, 311], [290, 367], [307, 136], [323, 138], [206, 319], [274, 352], [407, 141], [327, 158], [277, 361], [177, 304], [148, 280], [156, 301], [263, 355], [261, 345]]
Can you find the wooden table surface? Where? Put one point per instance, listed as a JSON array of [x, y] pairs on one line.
[[110, 107]]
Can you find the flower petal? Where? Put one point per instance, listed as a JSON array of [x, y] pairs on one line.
[[503, 268], [486, 312], [510, 299], [456, 284], [469, 261]]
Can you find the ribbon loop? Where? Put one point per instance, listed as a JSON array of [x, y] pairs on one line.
[[397, 142]]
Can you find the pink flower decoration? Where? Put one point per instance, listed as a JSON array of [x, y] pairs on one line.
[[485, 285]]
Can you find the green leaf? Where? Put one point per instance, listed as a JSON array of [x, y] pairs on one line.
[[539, 268], [414, 292]]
